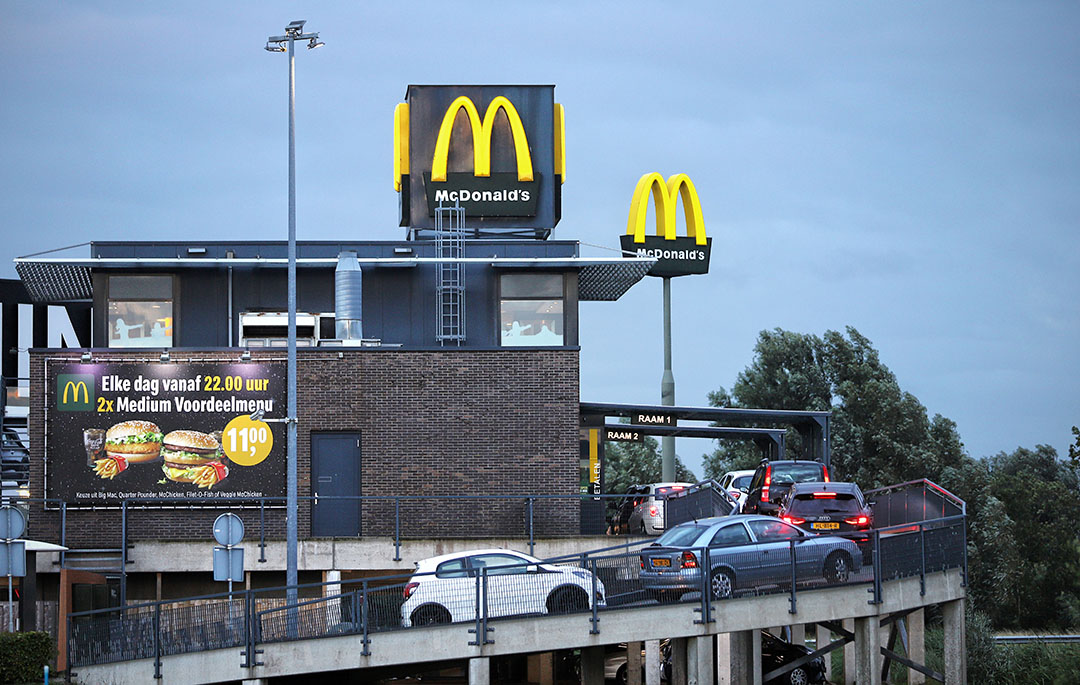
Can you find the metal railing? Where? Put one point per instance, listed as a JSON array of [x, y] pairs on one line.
[[593, 583]]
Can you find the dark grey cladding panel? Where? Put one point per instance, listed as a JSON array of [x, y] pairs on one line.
[[608, 282]]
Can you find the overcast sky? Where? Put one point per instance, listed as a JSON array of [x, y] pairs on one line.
[[909, 169]]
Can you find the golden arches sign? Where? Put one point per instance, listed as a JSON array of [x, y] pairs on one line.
[[665, 197], [77, 389]]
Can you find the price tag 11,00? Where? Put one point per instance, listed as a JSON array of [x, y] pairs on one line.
[[247, 442]]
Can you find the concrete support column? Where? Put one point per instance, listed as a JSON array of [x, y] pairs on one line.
[[333, 578], [592, 665], [678, 660], [699, 660], [738, 658], [480, 671], [867, 651], [541, 668], [798, 634], [652, 662], [952, 614], [916, 635], [633, 663], [824, 637], [849, 654]]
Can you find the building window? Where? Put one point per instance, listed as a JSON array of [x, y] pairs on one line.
[[531, 310], [140, 311]]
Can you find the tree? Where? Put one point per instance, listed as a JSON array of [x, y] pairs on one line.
[[880, 434], [631, 463]]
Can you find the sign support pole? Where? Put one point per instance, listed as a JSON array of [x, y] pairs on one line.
[[667, 390]]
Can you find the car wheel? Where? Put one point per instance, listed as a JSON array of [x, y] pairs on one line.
[[722, 584], [838, 567], [620, 675], [798, 676], [567, 601], [430, 616]]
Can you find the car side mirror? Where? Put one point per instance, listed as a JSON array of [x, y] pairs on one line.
[[745, 491]]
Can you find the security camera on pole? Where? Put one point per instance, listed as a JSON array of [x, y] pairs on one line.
[[675, 257]]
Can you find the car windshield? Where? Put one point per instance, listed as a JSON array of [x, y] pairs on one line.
[[681, 536], [808, 504], [796, 473]]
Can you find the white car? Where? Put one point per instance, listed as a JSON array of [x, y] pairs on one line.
[[648, 516], [443, 588], [734, 482]]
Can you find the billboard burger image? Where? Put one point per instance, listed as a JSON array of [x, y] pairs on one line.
[[135, 441], [180, 431], [193, 457]]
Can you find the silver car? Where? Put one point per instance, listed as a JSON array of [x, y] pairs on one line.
[[744, 551], [648, 516]]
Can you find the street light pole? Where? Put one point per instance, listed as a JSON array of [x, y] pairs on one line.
[[293, 33]]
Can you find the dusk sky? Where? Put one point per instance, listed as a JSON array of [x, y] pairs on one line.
[[909, 169]]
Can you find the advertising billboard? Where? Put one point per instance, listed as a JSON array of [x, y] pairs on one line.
[[118, 430]]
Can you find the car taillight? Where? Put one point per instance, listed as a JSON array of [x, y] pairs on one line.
[[689, 560], [826, 473], [409, 589], [794, 520], [858, 520], [642, 562], [734, 494], [654, 510], [765, 488], [824, 495]]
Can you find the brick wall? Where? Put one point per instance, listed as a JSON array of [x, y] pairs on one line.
[[432, 423]]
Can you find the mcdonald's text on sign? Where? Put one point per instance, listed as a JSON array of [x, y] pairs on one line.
[[674, 255]]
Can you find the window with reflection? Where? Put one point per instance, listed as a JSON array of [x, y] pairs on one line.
[[140, 311], [531, 310]]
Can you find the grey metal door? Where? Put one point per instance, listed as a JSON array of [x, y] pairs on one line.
[[335, 472]]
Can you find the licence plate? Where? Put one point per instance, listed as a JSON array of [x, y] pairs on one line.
[[666, 563], [825, 526]]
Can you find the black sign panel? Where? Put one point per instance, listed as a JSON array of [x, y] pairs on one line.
[[496, 195], [678, 257], [654, 419], [102, 446], [623, 435]]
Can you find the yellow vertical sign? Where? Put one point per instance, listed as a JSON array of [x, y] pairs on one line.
[[594, 456]]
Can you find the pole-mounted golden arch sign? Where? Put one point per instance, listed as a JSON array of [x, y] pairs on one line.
[[527, 197], [675, 256]]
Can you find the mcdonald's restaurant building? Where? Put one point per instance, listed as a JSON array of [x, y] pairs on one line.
[[442, 364]]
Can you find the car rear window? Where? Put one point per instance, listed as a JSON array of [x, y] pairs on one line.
[[808, 504], [455, 568], [741, 482], [681, 535], [796, 473]]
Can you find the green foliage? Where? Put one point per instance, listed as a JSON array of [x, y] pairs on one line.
[[23, 656], [631, 463], [1023, 507]]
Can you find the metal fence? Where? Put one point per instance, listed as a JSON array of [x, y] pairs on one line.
[[590, 583], [702, 500], [911, 502]]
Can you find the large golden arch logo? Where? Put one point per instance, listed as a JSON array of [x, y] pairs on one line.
[[481, 134], [76, 389], [665, 197]]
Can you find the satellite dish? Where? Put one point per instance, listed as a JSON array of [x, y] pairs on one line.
[[228, 529]]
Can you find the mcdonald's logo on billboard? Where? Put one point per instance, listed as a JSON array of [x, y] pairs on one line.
[[496, 151], [676, 256], [75, 392]]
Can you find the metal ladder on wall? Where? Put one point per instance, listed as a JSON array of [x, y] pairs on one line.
[[450, 288]]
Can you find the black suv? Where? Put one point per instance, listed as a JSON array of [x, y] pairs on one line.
[[827, 507], [773, 479]]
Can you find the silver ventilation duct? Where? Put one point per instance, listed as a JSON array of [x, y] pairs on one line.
[[348, 291]]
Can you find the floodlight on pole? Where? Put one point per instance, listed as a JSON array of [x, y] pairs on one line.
[[293, 33]]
